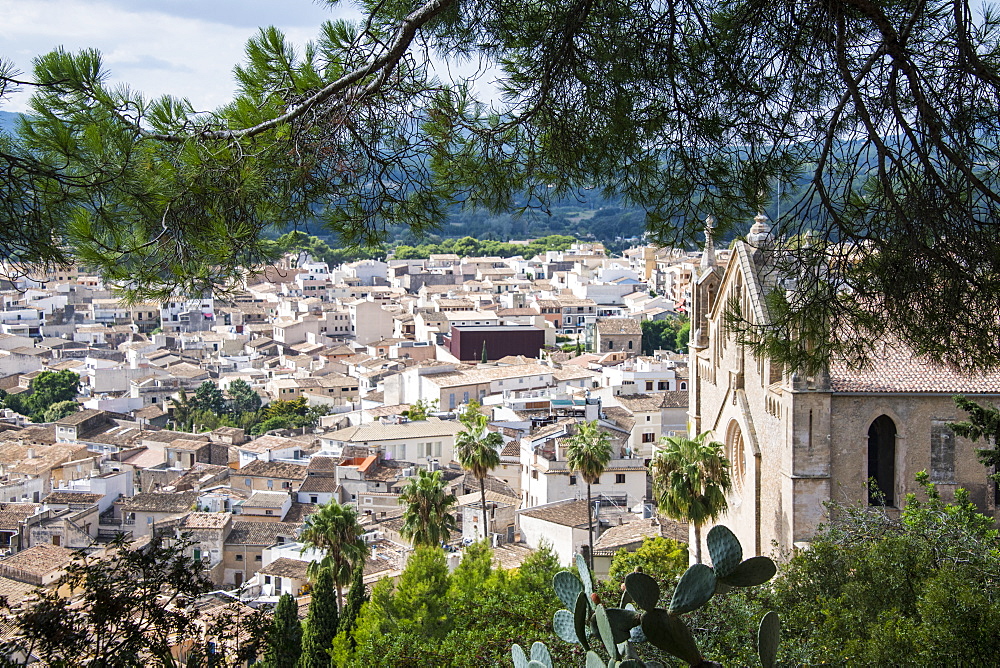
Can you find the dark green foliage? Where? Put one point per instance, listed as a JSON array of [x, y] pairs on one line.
[[208, 397], [665, 334], [47, 388], [59, 410], [984, 424], [356, 597], [470, 247], [131, 606], [284, 640], [335, 530], [427, 519], [321, 623], [242, 397], [919, 590], [477, 613]]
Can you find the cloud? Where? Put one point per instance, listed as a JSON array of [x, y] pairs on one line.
[[186, 48]]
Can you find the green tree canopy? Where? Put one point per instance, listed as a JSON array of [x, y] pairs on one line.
[[427, 519], [588, 453], [690, 481], [208, 397], [242, 397], [51, 387], [334, 529], [873, 126]]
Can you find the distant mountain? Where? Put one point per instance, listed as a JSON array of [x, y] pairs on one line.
[[7, 120]]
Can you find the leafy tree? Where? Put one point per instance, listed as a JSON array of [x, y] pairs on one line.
[[419, 409], [983, 423], [477, 449], [334, 529], [51, 387], [284, 641], [321, 623], [427, 519], [208, 397], [661, 558], [690, 481], [242, 397], [182, 411], [129, 606], [588, 453], [59, 410]]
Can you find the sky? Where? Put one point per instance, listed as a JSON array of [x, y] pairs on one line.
[[186, 48]]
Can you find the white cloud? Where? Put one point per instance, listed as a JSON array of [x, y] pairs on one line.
[[156, 47]]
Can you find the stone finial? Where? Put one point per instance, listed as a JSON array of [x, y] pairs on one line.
[[708, 256], [760, 231]]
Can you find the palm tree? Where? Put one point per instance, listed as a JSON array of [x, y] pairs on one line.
[[477, 450], [588, 453], [690, 481], [426, 520], [335, 530]]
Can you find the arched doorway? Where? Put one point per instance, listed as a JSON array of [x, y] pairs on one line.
[[882, 461]]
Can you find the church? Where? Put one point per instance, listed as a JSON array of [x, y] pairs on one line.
[[796, 442]]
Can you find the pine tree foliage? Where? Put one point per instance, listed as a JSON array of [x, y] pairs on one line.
[[873, 126]]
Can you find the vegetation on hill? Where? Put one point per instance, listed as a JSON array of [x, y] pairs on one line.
[[51, 396]]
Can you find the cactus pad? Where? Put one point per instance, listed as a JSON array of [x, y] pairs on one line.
[[643, 590], [519, 657], [724, 549], [540, 653], [622, 622], [537, 664], [580, 614], [631, 663], [604, 629], [753, 571], [594, 660], [567, 587], [564, 626], [588, 583], [768, 636], [671, 635], [693, 590]]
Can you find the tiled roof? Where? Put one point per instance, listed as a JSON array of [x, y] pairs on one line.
[[613, 326], [374, 431], [63, 497], [12, 513], [39, 559], [571, 513], [262, 469], [206, 520], [898, 370], [266, 500], [318, 484], [631, 534], [286, 568], [640, 402], [160, 502], [511, 449], [248, 532]]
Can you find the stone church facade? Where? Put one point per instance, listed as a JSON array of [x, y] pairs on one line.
[[797, 442]]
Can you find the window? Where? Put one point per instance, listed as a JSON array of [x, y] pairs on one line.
[[534, 475], [248, 482], [649, 383], [572, 480], [609, 345], [257, 557], [662, 385], [630, 344], [268, 512], [314, 499], [239, 557], [267, 579], [286, 485], [270, 484], [620, 478], [648, 437]]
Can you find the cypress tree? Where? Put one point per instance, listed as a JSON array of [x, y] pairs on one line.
[[321, 624], [284, 641], [355, 599]]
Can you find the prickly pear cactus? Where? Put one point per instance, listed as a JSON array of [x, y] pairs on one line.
[[725, 550], [693, 590], [619, 629]]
